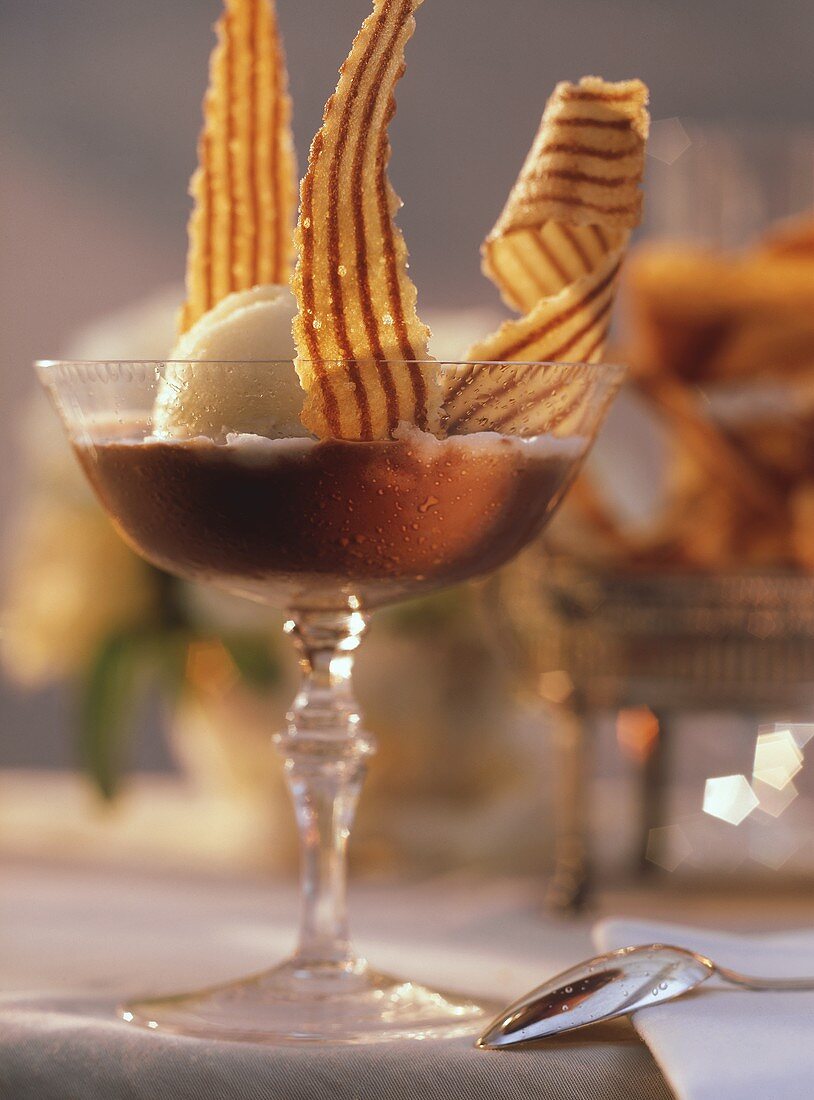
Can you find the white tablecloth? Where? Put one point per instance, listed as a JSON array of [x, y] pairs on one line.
[[73, 943]]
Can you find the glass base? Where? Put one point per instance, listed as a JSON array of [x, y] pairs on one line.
[[294, 1002]]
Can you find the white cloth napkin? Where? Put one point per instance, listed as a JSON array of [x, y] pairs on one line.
[[722, 1043]]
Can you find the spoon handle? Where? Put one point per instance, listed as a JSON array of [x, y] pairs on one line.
[[766, 985]]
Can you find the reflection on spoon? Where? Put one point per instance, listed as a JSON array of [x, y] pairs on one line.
[[613, 985]]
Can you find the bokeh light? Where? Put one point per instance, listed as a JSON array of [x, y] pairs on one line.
[[777, 758], [730, 798]]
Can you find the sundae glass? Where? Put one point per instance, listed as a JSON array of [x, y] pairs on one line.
[[330, 530], [302, 448]]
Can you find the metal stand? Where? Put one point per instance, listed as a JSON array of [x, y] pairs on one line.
[[675, 644]]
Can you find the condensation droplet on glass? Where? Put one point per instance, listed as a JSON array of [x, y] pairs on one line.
[[569, 989], [342, 271], [662, 985], [564, 1008], [306, 223], [387, 319], [316, 323]]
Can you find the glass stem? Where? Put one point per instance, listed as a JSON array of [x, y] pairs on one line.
[[325, 753]]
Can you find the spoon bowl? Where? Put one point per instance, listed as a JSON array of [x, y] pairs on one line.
[[611, 985]]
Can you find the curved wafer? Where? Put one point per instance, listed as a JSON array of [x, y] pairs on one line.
[[357, 306], [557, 248], [245, 186], [570, 326], [526, 398]]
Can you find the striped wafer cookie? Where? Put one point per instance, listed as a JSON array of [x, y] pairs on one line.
[[244, 190], [526, 398], [357, 306], [557, 248]]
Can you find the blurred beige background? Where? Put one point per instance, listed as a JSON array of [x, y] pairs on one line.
[[100, 107]]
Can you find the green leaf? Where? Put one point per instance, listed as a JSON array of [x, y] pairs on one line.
[[254, 659], [167, 654], [106, 706], [428, 614]]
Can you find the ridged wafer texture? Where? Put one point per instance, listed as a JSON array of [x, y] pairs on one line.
[[528, 398], [536, 262], [585, 164], [361, 347], [570, 326], [244, 189], [557, 248]]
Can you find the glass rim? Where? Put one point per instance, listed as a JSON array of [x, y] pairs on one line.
[[45, 365]]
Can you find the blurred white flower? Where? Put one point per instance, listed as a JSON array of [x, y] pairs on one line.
[[71, 580], [145, 329]]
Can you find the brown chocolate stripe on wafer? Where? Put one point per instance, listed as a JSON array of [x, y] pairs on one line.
[[465, 405], [571, 176], [595, 325], [580, 149], [371, 330], [577, 200], [605, 210], [252, 140], [208, 221], [552, 405], [228, 152], [535, 263], [601, 96], [598, 123], [594, 351], [551, 396], [517, 342], [345, 348], [561, 172], [357, 331], [284, 195], [565, 190], [406, 345], [573, 239], [550, 257], [372, 335], [497, 415], [537, 415], [573, 331], [520, 268], [326, 398], [244, 188], [306, 270]]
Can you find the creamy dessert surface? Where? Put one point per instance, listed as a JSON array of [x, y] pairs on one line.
[[252, 446], [302, 522]]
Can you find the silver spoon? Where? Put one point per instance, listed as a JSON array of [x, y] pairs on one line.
[[613, 985]]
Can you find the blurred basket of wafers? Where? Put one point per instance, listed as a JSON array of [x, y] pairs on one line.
[[721, 348], [718, 329], [678, 577]]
